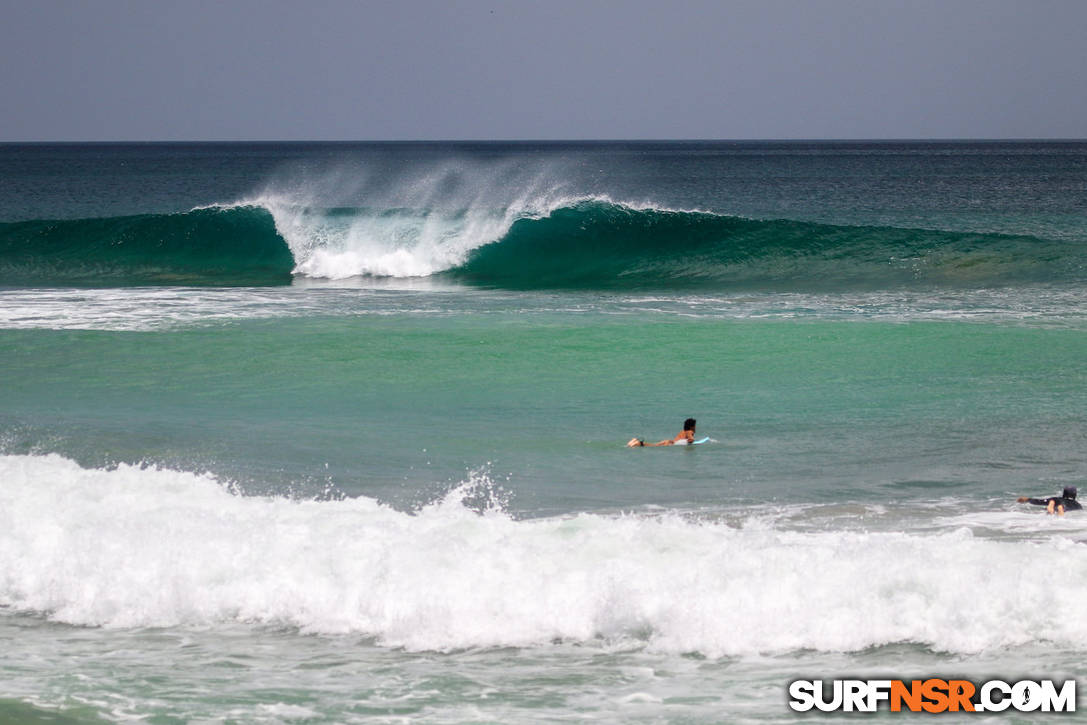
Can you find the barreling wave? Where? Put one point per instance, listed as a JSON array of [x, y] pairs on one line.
[[562, 244], [213, 246], [596, 244]]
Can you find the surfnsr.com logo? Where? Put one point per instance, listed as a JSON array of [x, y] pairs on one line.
[[932, 695]]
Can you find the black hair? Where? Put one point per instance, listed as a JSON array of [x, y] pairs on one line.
[[1069, 492], [689, 424]]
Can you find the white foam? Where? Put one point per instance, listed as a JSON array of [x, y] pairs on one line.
[[137, 547], [411, 223], [148, 308], [417, 224]]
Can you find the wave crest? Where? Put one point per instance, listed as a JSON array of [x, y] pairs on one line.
[[534, 243], [603, 245]]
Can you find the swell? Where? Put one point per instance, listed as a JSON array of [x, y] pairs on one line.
[[571, 244], [612, 246], [213, 246]]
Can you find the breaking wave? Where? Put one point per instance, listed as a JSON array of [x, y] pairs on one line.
[[146, 547], [565, 243]]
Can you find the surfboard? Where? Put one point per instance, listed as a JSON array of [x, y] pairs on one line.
[[633, 443]]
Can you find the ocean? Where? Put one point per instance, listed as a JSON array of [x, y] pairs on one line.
[[335, 432]]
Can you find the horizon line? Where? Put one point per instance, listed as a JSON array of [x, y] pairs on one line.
[[873, 139]]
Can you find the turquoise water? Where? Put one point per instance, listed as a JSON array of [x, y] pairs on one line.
[[388, 405], [334, 432]]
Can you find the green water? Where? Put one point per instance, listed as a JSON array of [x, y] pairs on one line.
[[386, 406]]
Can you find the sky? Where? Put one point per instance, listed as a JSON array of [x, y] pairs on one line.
[[147, 70]]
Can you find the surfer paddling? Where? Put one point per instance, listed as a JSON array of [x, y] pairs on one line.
[[683, 438], [1056, 504]]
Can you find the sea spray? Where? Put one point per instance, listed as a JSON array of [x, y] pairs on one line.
[[346, 222], [146, 547]]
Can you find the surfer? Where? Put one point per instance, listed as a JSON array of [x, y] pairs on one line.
[[1056, 504], [683, 438]]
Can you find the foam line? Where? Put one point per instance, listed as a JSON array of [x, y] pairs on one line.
[[142, 547]]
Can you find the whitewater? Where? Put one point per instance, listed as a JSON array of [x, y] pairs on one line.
[[147, 547]]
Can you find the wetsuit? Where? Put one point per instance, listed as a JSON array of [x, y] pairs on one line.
[[1070, 504], [1066, 499]]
